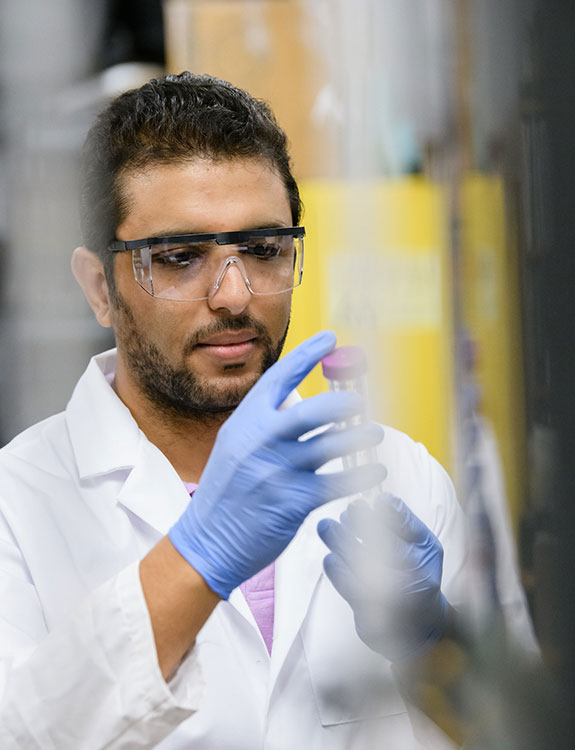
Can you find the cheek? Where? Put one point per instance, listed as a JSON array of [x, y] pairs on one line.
[[274, 313], [148, 318], [166, 325]]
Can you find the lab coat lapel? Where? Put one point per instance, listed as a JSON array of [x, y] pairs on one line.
[[153, 491], [298, 571], [239, 603]]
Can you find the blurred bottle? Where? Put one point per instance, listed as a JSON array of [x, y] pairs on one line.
[[345, 369]]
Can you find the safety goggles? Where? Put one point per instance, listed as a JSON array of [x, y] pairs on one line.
[[193, 266]]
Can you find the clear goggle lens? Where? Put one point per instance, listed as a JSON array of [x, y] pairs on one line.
[[195, 270]]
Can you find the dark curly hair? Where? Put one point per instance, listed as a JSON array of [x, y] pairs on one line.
[[169, 120]]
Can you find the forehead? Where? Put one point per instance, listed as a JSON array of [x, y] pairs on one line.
[[202, 196]]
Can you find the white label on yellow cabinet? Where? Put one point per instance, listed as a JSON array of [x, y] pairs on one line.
[[391, 289]]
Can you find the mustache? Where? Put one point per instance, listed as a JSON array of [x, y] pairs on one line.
[[222, 325]]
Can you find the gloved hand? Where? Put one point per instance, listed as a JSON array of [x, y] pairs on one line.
[[260, 482], [387, 564]]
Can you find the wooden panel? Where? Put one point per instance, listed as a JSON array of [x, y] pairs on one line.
[[267, 48]]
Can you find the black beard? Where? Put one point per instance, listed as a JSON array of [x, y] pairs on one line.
[[177, 391]]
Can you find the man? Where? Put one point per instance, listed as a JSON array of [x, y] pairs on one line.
[[127, 612]]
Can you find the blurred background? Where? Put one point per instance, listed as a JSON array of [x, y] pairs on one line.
[[433, 142]]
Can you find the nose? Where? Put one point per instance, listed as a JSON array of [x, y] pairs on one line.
[[230, 292]]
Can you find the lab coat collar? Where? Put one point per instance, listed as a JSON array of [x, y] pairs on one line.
[[106, 438], [104, 435]]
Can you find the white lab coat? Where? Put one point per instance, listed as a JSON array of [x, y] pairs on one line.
[[83, 496]]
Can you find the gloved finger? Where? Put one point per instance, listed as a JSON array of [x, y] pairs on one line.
[[381, 541], [348, 482], [385, 511], [401, 519], [318, 411], [288, 372], [318, 450], [342, 578], [338, 539], [365, 563], [370, 571], [366, 522], [357, 517]]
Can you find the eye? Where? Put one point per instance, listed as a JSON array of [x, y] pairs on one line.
[[178, 257], [263, 250]]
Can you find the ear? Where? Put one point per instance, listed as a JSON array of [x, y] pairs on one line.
[[89, 272]]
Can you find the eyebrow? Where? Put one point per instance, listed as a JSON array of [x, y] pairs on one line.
[[178, 231]]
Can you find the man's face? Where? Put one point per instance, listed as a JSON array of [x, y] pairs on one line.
[[194, 358]]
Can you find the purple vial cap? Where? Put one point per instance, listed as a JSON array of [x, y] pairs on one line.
[[344, 363]]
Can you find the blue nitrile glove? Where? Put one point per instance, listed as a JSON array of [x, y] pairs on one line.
[[260, 482], [387, 564]]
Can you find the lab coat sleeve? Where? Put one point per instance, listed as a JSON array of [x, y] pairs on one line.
[[450, 528], [92, 682]]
